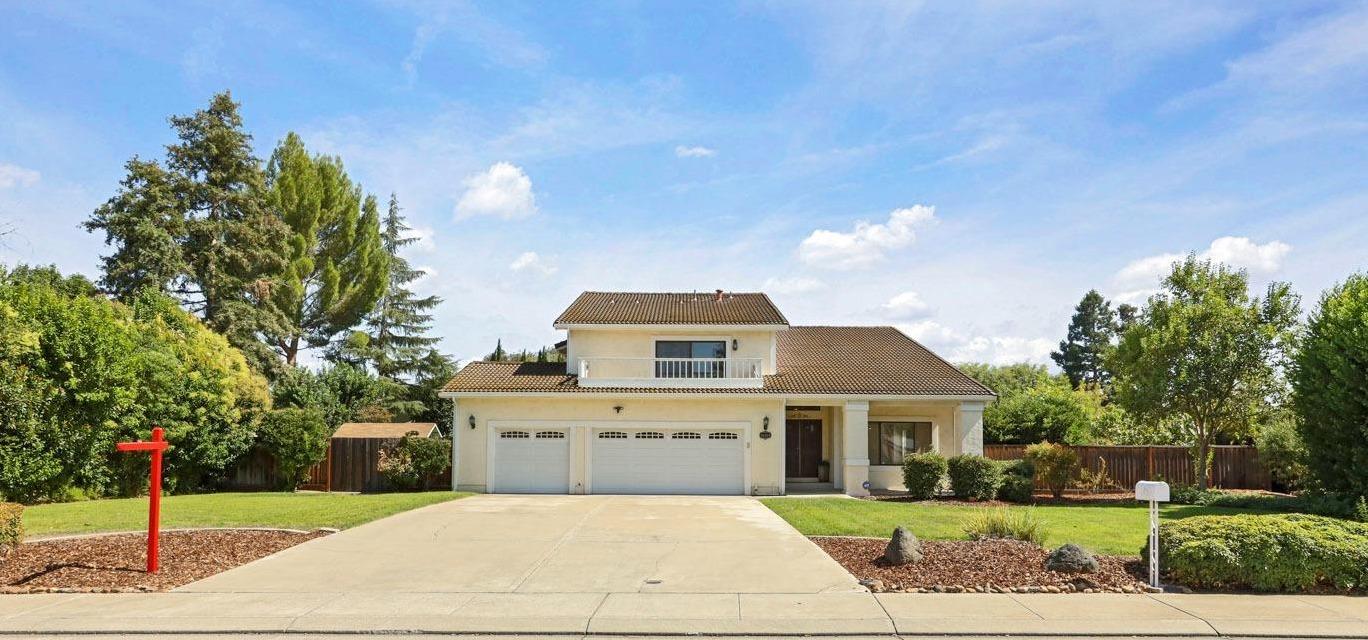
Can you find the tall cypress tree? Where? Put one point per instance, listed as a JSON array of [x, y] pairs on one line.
[[200, 228], [337, 267], [1091, 331]]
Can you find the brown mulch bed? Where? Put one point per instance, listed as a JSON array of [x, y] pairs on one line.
[[118, 562], [978, 566]]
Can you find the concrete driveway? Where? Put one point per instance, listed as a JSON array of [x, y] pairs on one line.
[[555, 544]]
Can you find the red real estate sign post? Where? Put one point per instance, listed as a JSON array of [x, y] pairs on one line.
[[155, 447]]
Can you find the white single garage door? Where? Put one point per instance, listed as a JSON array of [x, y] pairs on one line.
[[531, 461], [687, 461]]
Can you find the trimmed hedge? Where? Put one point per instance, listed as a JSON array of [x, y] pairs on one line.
[[11, 527], [1276, 552], [974, 477], [922, 474], [1320, 504]]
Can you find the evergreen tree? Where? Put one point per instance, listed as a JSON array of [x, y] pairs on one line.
[[200, 229], [396, 343], [1091, 331], [337, 266], [498, 354]]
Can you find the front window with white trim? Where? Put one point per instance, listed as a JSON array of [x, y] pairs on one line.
[[890, 442]]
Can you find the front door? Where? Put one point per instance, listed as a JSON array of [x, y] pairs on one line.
[[804, 439]]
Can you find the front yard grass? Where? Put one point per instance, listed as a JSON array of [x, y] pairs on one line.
[[284, 510], [1105, 529]]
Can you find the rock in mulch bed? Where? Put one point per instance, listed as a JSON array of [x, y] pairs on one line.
[[983, 566], [117, 562]]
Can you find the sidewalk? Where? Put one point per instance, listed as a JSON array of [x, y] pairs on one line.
[[699, 613]]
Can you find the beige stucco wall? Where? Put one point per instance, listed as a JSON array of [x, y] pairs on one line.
[[640, 343], [942, 417], [766, 455]]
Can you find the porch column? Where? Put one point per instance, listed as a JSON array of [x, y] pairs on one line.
[[855, 446], [455, 444], [969, 428]]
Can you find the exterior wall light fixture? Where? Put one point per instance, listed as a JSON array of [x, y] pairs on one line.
[[735, 344], [765, 432], [471, 421]]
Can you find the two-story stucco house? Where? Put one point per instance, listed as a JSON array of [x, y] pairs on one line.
[[707, 394]]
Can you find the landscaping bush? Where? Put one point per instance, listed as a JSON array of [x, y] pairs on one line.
[[11, 527], [923, 473], [1012, 523], [297, 439], [1018, 481], [1321, 504], [1055, 465], [974, 477], [413, 462], [1276, 552]]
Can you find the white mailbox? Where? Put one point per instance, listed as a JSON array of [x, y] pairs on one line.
[[1152, 491]]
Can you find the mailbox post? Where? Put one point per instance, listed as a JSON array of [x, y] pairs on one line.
[[1154, 492]]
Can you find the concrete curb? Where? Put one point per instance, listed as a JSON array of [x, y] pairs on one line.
[[101, 534]]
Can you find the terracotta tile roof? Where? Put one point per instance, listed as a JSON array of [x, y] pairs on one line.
[[606, 307], [812, 360], [863, 360], [383, 429]]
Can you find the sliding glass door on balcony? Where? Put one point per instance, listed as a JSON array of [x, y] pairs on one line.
[[691, 359]]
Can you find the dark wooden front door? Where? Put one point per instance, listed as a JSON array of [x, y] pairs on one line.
[[804, 438]]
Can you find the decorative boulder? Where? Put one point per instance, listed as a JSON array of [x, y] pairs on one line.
[[904, 548], [1071, 558]]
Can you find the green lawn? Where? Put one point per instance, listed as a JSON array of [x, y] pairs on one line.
[[286, 510], [1106, 529]]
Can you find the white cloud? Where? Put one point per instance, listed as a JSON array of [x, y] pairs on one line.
[[957, 346], [1136, 280], [868, 242], [504, 191], [424, 239], [682, 151], [12, 175], [530, 262], [907, 304], [791, 286]]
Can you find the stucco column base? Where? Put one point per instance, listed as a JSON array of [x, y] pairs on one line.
[[856, 475]]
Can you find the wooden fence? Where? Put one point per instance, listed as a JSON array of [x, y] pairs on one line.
[[1232, 466], [350, 464]]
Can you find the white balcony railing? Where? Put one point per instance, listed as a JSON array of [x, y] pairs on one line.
[[671, 372]]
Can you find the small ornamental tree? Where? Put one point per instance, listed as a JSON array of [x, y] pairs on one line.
[[1205, 351], [413, 462], [297, 439], [1330, 388]]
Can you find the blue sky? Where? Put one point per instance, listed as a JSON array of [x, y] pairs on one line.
[[964, 171]]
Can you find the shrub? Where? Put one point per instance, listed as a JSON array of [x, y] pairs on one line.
[[1011, 523], [1018, 481], [923, 473], [1361, 510], [297, 439], [1095, 482], [1055, 465], [1277, 552], [1321, 504], [1282, 452], [11, 527], [412, 462], [974, 477]]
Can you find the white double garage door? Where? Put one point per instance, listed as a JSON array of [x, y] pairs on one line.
[[654, 460]]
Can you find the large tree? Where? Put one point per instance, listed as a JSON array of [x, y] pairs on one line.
[[1091, 331], [199, 228], [1204, 351], [336, 267], [1330, 388], [396, 341]]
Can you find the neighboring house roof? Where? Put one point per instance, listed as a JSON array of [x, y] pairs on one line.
[[811, 360], [720, 308], [384, 429]]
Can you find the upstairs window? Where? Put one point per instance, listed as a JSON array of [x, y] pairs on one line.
[[673, 358]]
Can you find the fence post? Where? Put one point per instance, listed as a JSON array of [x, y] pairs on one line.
[[1149, 451]]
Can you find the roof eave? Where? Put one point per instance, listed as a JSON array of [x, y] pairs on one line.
[[656, 326]]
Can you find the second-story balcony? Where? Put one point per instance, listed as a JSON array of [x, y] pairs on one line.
[[671, 372]]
